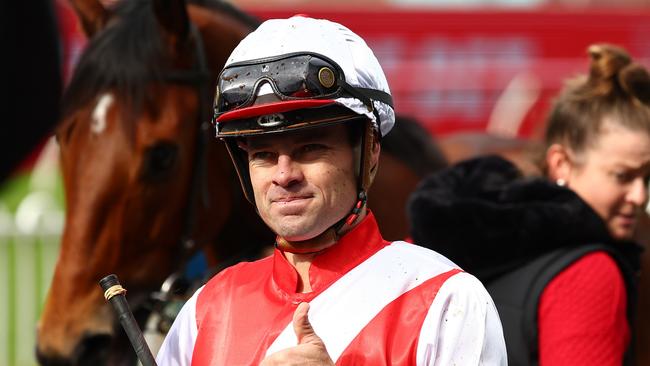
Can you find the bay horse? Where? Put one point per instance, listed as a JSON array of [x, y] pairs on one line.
[[147, 185]]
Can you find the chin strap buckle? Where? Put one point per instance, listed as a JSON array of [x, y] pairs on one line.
[[357, 208]]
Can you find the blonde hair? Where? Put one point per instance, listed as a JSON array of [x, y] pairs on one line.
[[616, 88]]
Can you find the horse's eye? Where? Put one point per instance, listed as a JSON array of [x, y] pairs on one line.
[[158, 160]]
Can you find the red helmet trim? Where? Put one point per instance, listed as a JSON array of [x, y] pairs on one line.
[[271, 108]]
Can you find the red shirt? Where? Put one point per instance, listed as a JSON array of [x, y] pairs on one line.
[[582, 315]]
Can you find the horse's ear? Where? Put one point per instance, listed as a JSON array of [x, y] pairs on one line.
[[173, 18], [91, 14]]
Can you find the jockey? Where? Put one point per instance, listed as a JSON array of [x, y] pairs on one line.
[[302, 105]]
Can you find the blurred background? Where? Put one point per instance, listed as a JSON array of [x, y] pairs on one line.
[[459, 67]]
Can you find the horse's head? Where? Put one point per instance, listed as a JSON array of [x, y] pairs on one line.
[[133, 152]]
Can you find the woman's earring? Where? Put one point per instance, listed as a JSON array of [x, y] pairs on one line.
[[560, 182]]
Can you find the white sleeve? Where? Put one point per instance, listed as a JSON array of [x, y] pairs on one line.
[[462, 326], [178, 346]]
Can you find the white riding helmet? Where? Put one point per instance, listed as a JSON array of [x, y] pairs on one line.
[[299, 73]]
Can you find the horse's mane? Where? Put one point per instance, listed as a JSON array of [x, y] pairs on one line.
[[129, 55], [412, 143], [229, 9]]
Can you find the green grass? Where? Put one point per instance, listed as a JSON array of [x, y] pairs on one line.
[[14, 190]]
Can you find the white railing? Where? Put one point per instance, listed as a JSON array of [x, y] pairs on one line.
[[30, 228], [27, 259]]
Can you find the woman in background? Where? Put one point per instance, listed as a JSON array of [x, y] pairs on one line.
[[556, 252]]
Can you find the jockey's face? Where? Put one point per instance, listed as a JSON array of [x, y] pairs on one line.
[[304, 181]]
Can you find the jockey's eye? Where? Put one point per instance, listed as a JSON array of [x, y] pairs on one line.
[[159, 159], [261, 156], [309, 148]]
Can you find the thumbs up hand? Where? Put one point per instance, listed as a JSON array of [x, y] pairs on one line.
[[310, 349]]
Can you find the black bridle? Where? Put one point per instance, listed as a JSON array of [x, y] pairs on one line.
[[198, 76], [198, 196]]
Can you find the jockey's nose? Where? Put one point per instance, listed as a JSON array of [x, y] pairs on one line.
[[287, 171]]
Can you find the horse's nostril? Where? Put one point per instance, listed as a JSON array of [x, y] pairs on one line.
[[49, 360], [93, 350]]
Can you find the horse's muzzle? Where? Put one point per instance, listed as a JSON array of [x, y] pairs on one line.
[[93, 350]]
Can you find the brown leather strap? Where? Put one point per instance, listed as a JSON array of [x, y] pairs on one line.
[[366, 168]]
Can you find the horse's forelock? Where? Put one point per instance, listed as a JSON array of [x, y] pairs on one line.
[[124, 59]]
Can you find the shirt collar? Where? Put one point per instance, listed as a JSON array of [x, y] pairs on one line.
[[353, 248]]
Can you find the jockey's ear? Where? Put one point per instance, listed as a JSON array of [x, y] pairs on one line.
[[91, 14]]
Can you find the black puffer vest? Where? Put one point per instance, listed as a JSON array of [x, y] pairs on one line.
[[518, 292]]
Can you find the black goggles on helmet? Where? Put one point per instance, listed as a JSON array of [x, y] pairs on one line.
[[293, 76]]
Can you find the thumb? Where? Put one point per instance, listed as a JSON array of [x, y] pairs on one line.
[[301, 325]]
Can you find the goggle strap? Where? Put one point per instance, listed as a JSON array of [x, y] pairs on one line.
[[367, 95], [378, 95]]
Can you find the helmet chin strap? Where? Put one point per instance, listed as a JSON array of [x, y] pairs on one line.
[[332, 234]]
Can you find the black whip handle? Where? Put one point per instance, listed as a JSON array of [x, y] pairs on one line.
[[114, 293]]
